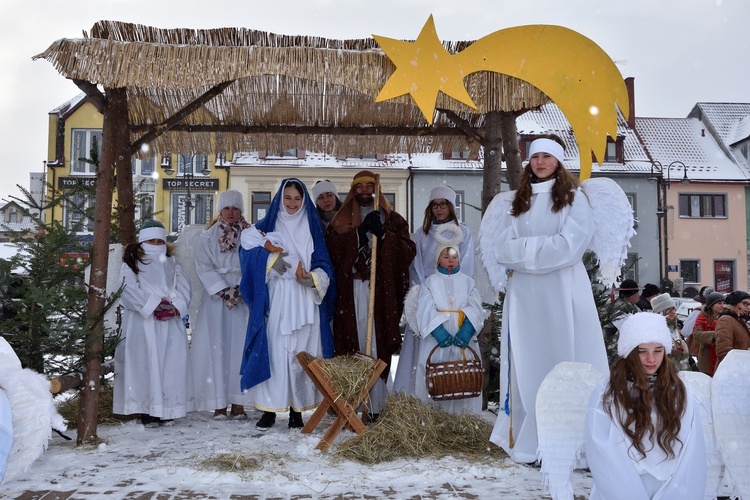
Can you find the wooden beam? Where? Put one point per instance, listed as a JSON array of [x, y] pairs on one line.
[[463, 125], [93, 92], [172, 121], [308, 130]]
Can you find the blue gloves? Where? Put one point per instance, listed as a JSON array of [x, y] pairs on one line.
[[444, 339], [464, 334]]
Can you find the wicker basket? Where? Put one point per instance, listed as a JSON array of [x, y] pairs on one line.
[[449, 380]]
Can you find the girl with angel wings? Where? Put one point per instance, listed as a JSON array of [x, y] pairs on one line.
[[532, 242]]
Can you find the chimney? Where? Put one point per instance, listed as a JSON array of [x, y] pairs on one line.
[[630, 84]]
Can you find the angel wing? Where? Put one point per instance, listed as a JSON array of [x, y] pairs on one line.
[[613, 217], [730, 400], [185, 256], [33, 414], [499, 206], [700, 386], [411, 301], [561, 405]]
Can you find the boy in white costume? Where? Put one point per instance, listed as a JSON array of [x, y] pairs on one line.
[[448, 311]]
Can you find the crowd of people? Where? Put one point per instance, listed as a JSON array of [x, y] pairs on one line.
[[301, 278]]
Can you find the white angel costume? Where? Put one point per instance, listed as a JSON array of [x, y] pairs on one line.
[[619, 471], [446, 300], [422, 267], [27, 415], [549, 313], [152, 362], [218, 335], [293, 320]]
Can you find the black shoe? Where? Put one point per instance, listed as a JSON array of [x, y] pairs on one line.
[[266, 421], [149, 421], [373, 417], [295, 419]]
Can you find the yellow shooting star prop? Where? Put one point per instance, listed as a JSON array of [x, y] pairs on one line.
[[569, 68]]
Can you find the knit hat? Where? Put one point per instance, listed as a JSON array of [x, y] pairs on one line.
[[643, 328], [712, 298], [736, 297], [444, 193], [662, 302], [628, 288], [544, 145], [323, 187], [650, 290], [230, 198], [152, 229], [442, 247]]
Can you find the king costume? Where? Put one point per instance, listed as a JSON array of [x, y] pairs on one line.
[[286, 317], [395, 251]]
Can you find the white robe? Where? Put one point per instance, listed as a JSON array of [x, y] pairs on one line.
[[218, 335], [293, 322], [618, 471], [152, 365], [439, 294], [6, 431], [549, 313], [422, 267]]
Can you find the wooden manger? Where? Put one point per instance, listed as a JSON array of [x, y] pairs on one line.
[[344, 407]]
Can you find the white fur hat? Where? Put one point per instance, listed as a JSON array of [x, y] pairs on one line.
[[323, 187], [444, 193], [152, 230], [230, 198], [662, 302], [442, 247], [643, 328]]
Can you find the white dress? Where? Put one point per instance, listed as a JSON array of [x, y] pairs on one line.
[[549, 313], [152, 364], [6, 431], [618, 472], [293, 322], [440, 298], [218, 336], [422, 267]]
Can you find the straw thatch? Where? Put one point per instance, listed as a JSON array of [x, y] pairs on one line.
[[409, 428], [286, 92]]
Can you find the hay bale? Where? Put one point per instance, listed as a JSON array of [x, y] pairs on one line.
[[69, 408], [230, 462], [409, 428], [348, 375]]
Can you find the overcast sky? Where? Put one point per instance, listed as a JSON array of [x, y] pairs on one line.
[[679, 51]]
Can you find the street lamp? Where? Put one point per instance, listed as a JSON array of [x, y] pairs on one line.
[[662, 208]]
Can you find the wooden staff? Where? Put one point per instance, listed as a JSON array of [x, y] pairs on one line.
[[373, 263]]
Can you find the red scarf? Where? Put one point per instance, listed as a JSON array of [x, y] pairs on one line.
[[230, 233]]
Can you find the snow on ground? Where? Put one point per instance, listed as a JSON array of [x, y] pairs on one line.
[[136, 462]]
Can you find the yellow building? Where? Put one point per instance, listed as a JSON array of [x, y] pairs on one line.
[[175, 188]]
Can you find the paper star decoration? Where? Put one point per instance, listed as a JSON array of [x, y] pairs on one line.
[[569, 68]]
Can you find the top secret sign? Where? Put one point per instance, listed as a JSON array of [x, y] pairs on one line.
[[178, 184]]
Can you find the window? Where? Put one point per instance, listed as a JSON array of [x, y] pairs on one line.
[[83, 140], [460, 205], [198, 211], [631, 264], [12, 217], [289, 153], [260, 204], [77, 211], [690, 270], [391, 197], [703, 205], [147, 166], [724, 276], [145, 206], [745, 150], [459, 155], [191, 164], [631, 200]]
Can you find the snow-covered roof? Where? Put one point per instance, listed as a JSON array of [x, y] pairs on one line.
[[722, 117], [741, 131], [315, 160], [686, 140], [68, 106]]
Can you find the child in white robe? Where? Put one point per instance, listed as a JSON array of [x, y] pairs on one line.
[[449, 311]]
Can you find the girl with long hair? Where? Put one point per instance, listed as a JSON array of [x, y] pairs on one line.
[[539, 233], [643, 430]]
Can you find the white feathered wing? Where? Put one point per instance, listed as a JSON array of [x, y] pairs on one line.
[[498, 274], [613, 217]]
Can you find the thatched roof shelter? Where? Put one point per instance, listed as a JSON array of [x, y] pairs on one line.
[[236, 89]]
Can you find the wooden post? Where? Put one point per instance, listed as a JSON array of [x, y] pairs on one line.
[[373, 264], [115, 142]]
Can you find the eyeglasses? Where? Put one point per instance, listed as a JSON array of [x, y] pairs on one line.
[[745, 303], [442, 204]]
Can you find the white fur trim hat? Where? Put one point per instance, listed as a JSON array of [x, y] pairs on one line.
[[230, 198], [152, 229], [643, 328], [662, 302], [442, 247], [544, 145], [323, 187], [443, 193]]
